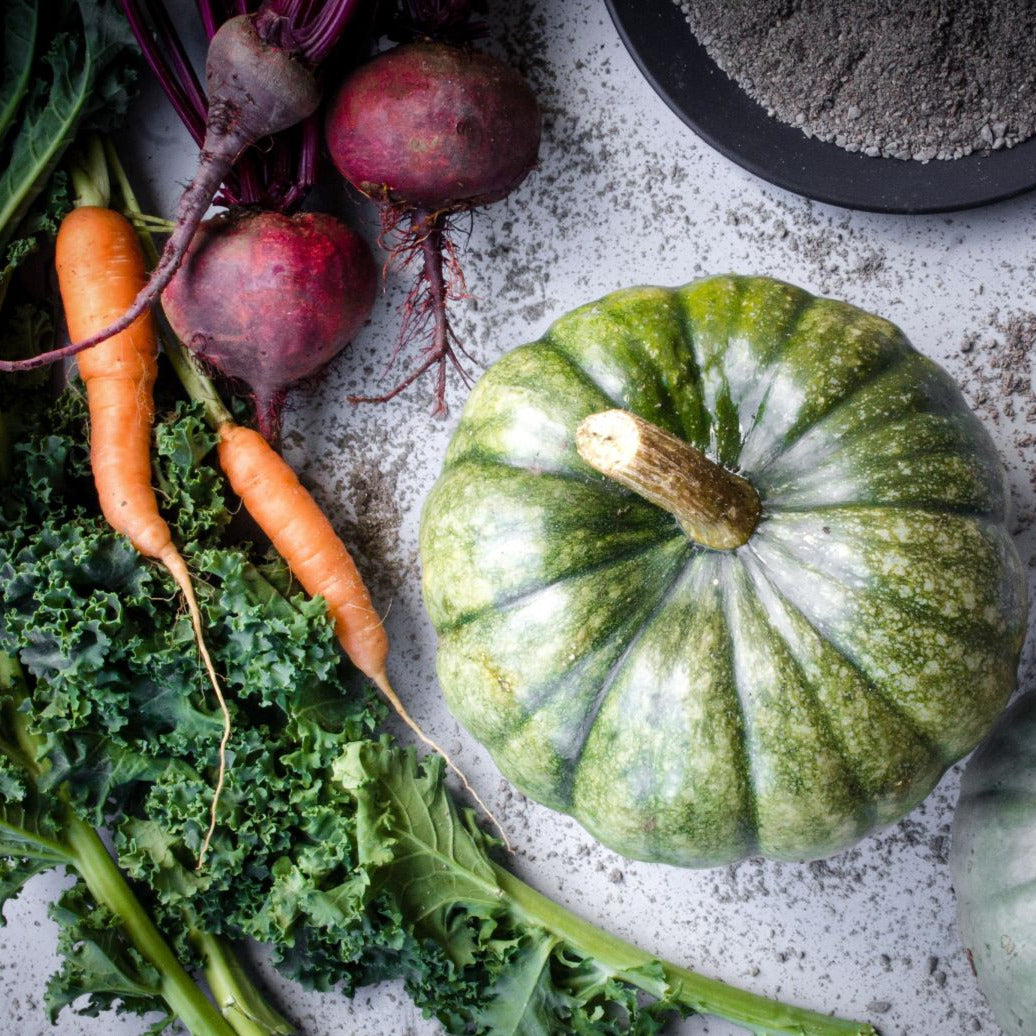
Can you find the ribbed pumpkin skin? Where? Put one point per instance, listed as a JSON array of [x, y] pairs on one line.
[[696, 706], [993, 859]]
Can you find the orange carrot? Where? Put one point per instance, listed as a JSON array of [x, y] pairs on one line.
[[300, 532], [302, 535], [100, 270]]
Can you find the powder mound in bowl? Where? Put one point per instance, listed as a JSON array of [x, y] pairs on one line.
[[909, 79]]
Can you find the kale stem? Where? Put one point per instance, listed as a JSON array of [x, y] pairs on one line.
[[108, 887], [83, 849], [756, 1013], [238, 999]]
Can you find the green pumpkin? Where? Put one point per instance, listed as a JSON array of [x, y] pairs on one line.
[[693, 704], [993, 861]]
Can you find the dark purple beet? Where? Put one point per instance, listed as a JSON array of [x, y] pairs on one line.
[[268, 299], [429, 130], [434, 126]]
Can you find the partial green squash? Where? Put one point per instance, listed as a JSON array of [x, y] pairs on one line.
[[800, 682], [993, 860]]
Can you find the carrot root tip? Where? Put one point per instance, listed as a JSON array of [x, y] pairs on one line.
[[381, 681], [177, 567]]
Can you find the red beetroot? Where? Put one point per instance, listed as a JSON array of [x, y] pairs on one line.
[[268, 299], [434, 126], [429, 130]]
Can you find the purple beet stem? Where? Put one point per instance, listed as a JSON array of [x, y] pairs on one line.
[[209, 19], [313, 36], [306, 171], [191, 116], [169, 40]]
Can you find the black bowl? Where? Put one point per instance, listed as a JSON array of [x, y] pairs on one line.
[[721, 113]]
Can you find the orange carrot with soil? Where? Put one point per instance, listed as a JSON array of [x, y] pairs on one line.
[[100, 270], [301, 533]]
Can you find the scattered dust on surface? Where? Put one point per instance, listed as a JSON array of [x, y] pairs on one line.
[[998, 365], [366, 499], [373, 532], [998, 378]]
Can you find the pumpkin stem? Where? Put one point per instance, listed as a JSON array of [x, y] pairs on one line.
[[715, 507]]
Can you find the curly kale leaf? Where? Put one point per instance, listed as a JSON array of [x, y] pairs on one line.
[[99, 962], [192, 491], [412, 840], [40, 223], [14, 873], [545, 987], [504, 972], [125, 696]]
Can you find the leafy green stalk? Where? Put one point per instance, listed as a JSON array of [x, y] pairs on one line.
[[696, 992], [197, 384], [547, 970], [109, 887], [45, 832], [236, 995]]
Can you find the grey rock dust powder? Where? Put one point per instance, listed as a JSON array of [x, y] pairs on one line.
[[910, 79]]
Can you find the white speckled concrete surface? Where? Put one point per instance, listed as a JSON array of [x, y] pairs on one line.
[[625, 194]]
